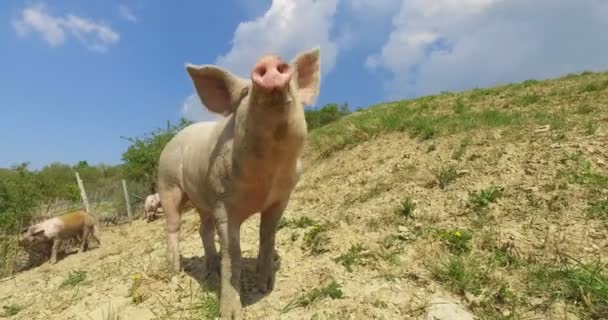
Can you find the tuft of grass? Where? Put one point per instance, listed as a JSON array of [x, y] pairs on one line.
[[594, 86], [332, 291], [356, 255], [460, 274], [110, 314], [584, 109], [446, 175], [530, 82], [584, 285], [208, 307], [407, 208], [458, 241], [590, 127], [527, 99], [11, 310], [482, 199], [582, 173], [460, 107], [598, 209], [74, 278], [315, 240]]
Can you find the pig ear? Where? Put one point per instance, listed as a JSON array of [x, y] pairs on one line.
[[308, 74], [218, 89]]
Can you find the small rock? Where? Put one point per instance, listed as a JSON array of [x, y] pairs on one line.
[[554, 145], [544, 128], [462, 172], [601, 162], [531, 189], [442, 309], [403, 229]]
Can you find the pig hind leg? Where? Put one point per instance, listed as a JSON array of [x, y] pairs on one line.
[[207, 233], [173, 200], [85, 239]]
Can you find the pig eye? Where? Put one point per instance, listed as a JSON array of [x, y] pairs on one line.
[[244, 92]]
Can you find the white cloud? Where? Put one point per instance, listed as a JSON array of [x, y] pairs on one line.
[[126, 13], [193, 110], [53, 29], [287, 28], [458, 44]]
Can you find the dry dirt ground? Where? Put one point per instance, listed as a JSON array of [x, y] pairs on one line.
[[344, 215]]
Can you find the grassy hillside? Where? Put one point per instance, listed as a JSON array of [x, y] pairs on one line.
[[495, 198]]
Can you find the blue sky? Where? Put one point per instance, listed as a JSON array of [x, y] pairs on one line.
[[77, 75]]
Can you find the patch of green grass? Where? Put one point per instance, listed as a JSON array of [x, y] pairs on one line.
[[74, 278], [460, 107], [458, 241], [446, 175], [582, 173], [301, 222], [407, 208], [11, 310], [598, 209], [356, 255], [583, 285], [590, 127], [461, 274], [527, 99], [315, 240], [209, 306], [483, 198], [332, 291], [584, 109], [594, 86], [505, 258]]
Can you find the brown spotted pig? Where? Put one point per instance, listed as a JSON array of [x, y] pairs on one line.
[[55, 230]]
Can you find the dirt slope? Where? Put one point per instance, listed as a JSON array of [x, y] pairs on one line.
[[505, 218]]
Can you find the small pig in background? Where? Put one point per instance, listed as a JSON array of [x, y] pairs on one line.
[[151, 206], [55, 230]]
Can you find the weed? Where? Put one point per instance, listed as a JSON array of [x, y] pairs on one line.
[[482, 199], [356, 255], [332, 291], [74, 278], [11, 310], [446, 175], [406, 210], [530, 82], [458, 241]]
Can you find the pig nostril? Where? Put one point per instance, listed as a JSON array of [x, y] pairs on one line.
[[282, 68], [261, 71]]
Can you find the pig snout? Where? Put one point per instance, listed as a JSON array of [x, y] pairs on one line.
[[271, 73]]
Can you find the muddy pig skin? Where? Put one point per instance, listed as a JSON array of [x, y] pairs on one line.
[[55, 230]]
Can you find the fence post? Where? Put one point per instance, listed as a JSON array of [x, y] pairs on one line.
[[128, 203], [83, 193]]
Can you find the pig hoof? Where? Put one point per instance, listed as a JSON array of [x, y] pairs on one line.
[[231, 309], [265, 283]]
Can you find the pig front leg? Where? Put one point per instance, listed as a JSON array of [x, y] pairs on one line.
[[230, 248], [56, 244], [268, 226]]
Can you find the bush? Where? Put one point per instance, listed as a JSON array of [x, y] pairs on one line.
[[325, 115]]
